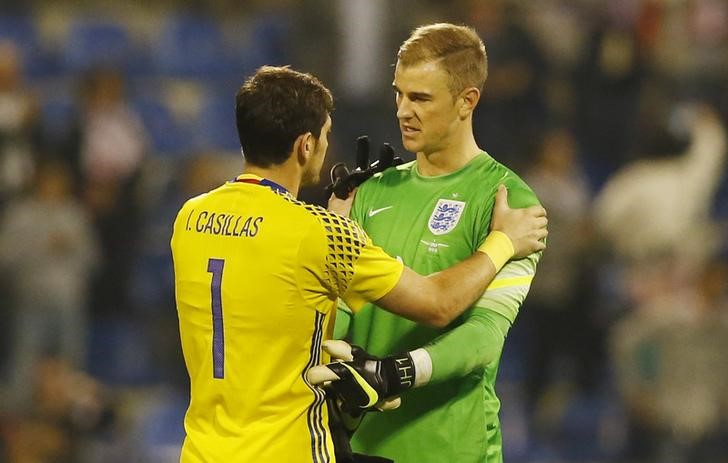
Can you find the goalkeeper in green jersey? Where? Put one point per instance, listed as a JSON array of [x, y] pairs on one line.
[[432, 213]]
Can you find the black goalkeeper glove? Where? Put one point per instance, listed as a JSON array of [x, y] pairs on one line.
[[344, 181], [362, 381]]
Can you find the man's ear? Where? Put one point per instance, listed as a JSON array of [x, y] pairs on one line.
[[303, 147], [468, 101]]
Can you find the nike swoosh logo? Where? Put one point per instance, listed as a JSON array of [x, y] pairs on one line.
[[373, 212]]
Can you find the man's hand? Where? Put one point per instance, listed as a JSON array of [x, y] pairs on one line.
[[341, 206], [341, 422], [526, 227], [360, 381]]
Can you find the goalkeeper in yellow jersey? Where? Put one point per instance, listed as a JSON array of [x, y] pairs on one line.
[[258, 274]]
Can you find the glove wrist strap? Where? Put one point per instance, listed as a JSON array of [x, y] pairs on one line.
[[402, 367]]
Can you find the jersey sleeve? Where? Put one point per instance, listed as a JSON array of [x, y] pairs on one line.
[[356, 270], [472, 345], [479, 339], [520, 195], [375, 274], [509, 288]]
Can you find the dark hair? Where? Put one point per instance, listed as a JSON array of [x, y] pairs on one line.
[[274, 107]]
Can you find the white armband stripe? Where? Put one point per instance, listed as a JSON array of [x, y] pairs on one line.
[[504, 301], [517, 268]]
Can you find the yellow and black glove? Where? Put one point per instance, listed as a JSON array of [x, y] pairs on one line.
[[344, 413], [361, 381]]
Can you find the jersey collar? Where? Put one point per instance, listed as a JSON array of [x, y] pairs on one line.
[[256, 180]]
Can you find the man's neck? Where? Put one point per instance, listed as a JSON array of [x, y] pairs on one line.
[[279, 174], [448, 160]]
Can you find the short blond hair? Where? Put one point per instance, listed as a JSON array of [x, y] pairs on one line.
[[458, 49]]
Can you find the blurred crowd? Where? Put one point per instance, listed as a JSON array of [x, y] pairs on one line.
[[614, 112]]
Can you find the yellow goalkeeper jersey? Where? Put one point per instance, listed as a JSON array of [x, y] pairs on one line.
[[257, 276]]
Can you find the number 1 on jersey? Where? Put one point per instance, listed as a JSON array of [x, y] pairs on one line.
[[215, 267]]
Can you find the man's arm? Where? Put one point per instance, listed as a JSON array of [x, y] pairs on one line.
[[437, 299], [479, 339], [473, 344], [364, 380]]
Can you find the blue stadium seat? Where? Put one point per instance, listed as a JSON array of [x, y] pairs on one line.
[[120, 353], [190, 47], [720, 203], [21, 30], [216, 124], [168, 136], [159, 432], [269, 42], [97, 43], [58, 115], [584, 424]]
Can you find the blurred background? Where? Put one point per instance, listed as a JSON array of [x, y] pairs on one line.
[[113, 113]]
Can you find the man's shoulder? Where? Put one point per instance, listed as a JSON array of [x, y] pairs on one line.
[[396, 176], [203, 198], [391, 175], [192, 203], [519, 193], [333, 226], [269, 203]]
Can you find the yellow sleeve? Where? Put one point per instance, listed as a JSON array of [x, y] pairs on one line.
[[375, 274], [356, 270]]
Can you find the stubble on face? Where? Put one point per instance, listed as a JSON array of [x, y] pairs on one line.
[[425, 105], [312, 173]]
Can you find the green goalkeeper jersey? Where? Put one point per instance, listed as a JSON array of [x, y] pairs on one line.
[[432, 223]]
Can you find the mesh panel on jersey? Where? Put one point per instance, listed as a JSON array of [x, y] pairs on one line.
[[345, 241]]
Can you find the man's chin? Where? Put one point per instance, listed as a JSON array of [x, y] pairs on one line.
[[410, 145], [310, 180]]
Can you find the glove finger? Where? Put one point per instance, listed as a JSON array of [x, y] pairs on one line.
[[339, 350], [320, 375], [338, 171], [360, 354], [386, 157], [390, 403], [362, 152]]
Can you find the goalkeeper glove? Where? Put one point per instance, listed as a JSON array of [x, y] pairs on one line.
[[364, 382], [344, 181], [343, 423]]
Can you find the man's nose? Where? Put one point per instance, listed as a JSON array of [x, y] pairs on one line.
[[404, 109]]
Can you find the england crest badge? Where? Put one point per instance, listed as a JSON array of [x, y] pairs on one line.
[[445, 216]]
